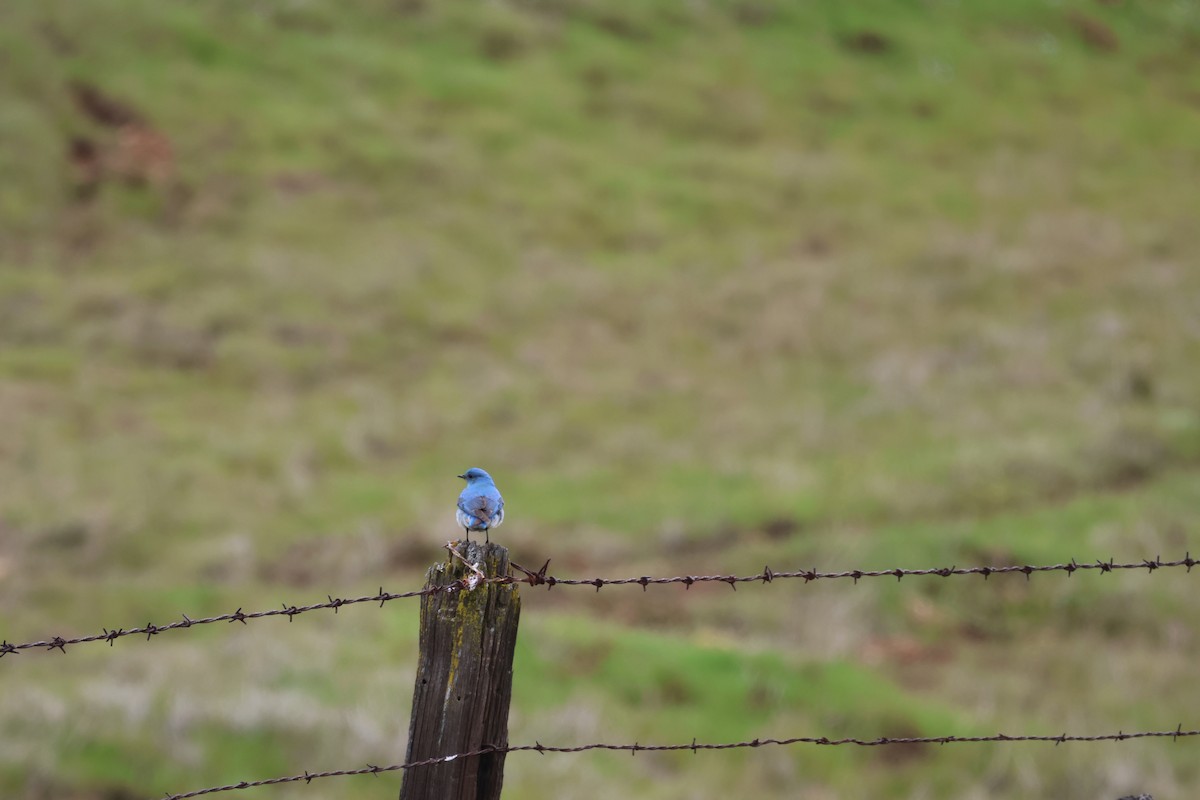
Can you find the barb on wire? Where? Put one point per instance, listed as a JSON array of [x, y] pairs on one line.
[[477, 578], [541, 578], [697, 747]]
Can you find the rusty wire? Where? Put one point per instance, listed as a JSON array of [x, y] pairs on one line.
[[695, 747], [541, 578], [768, 575], [289, 611]]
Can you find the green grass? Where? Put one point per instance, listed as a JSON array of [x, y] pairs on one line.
[[904, 283]]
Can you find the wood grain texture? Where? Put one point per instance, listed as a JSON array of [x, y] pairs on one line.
[[464, 679]]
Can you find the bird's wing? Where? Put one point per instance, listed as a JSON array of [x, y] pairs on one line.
[[481, 506]]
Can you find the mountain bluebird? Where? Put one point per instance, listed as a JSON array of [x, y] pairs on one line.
[[480, 506]]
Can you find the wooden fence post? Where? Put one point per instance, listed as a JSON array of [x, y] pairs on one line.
[[464, 679]]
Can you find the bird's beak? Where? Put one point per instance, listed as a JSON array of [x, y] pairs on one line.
[[464, 477]]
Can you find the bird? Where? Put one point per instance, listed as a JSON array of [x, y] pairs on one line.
[[480, 506]]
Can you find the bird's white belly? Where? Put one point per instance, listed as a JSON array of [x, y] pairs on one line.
[[469, 522]]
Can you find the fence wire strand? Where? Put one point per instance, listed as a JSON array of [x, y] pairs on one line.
[[695, 747], [541, 578], [809, 575]]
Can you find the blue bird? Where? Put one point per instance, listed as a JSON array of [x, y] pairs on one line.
[[480, 506]]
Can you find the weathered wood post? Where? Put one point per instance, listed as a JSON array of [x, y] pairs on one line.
[[464, 679]]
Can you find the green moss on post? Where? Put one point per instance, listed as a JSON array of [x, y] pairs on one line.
[[464, 679]]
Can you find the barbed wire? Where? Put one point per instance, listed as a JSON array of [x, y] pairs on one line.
[[289, 611], [541, 578], [695, 747], [808, 575]]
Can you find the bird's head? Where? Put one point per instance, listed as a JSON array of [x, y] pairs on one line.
[[476, 475]]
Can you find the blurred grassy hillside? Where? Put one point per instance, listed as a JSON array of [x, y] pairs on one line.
[[704, 285]]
